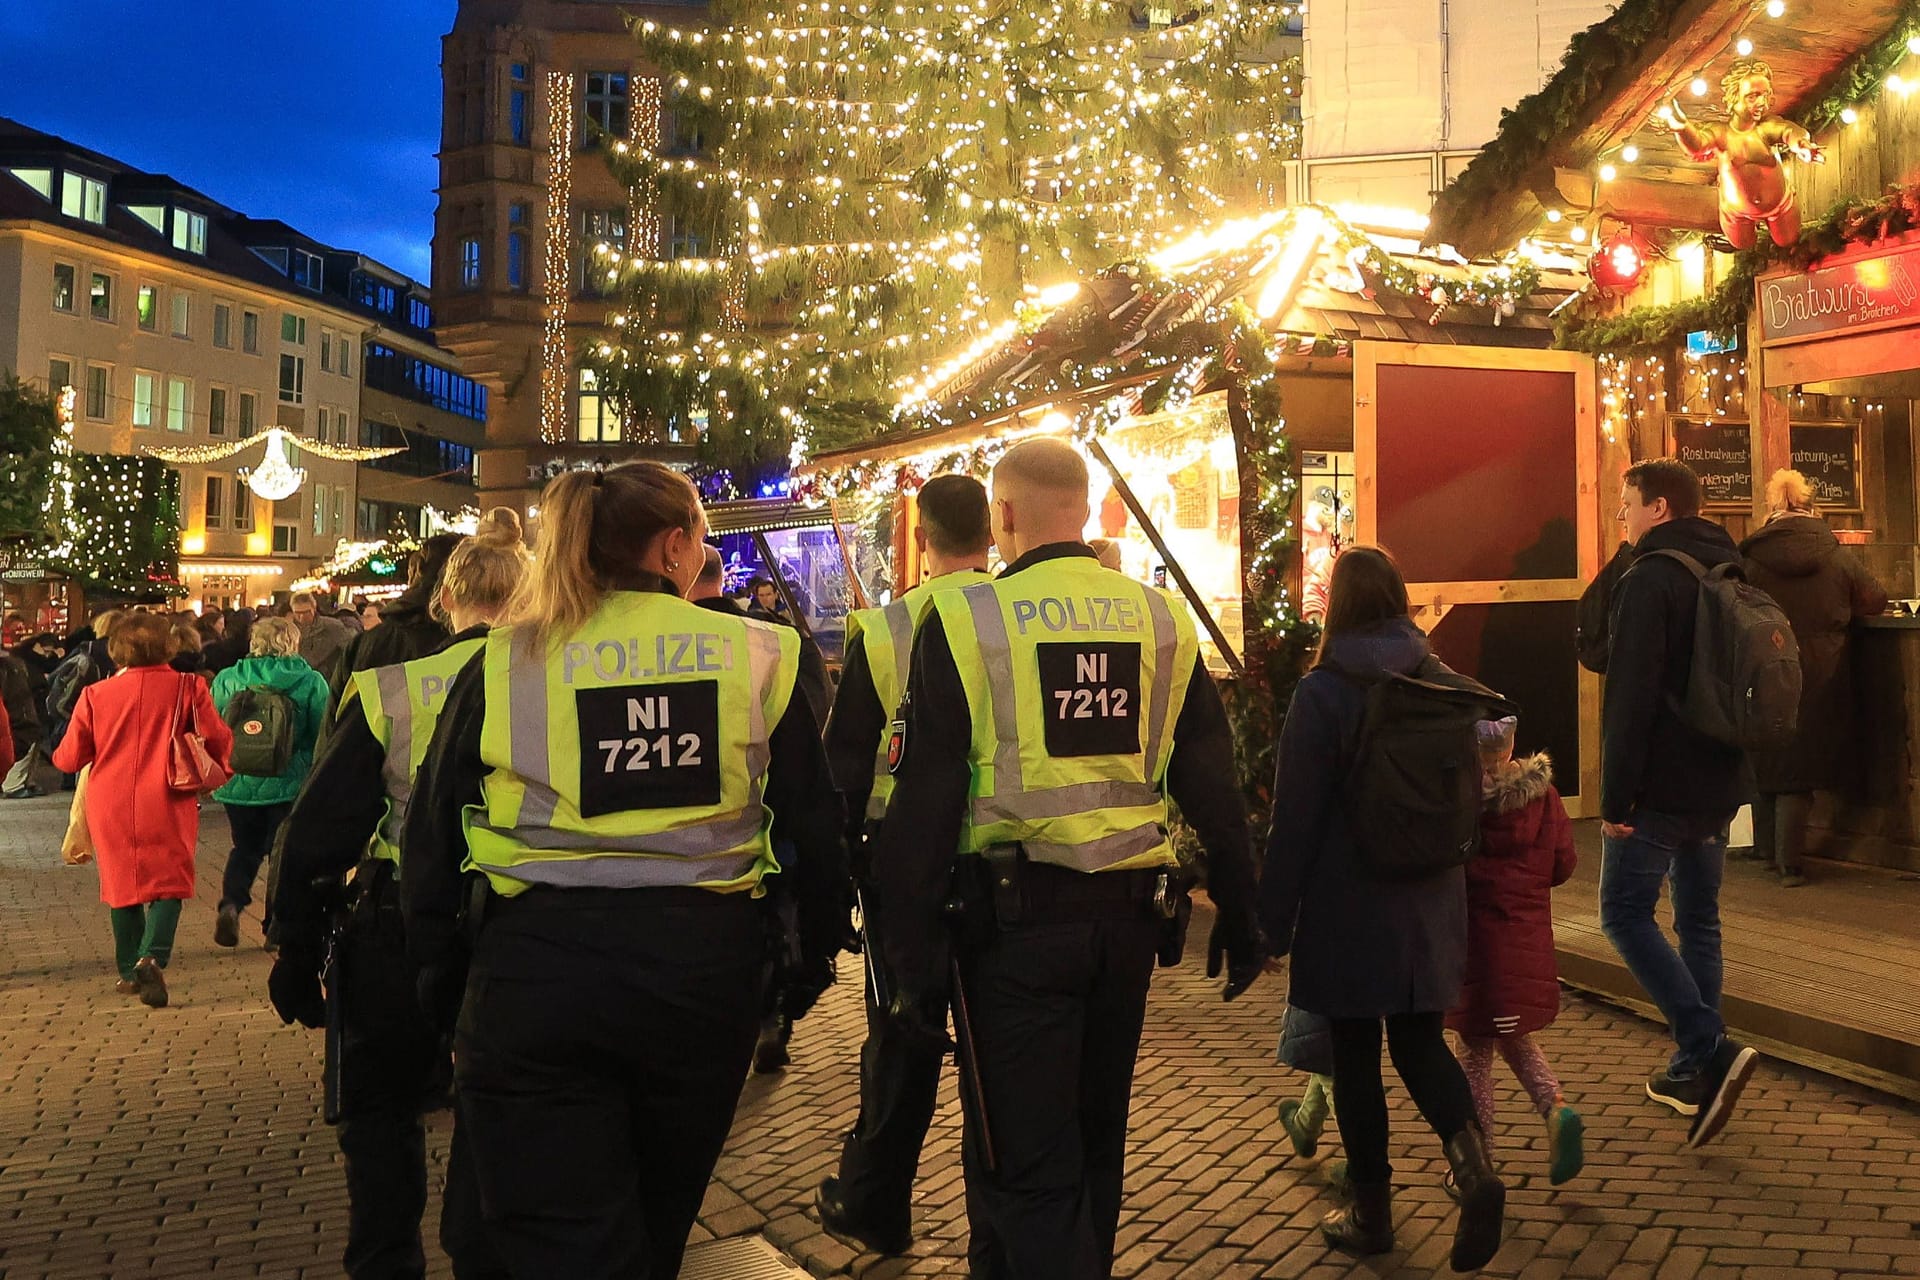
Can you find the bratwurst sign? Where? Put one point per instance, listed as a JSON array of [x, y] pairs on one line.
[[1856, 296]]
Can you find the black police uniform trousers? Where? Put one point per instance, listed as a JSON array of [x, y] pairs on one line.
[[1056, 1003], [393, 1068], [600, 1053], [899, 1092]]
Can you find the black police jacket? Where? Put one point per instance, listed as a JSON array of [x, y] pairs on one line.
[[913, 852]]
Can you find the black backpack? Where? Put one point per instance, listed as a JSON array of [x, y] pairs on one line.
[[261, 718], [1413, 791], [1743, 687]]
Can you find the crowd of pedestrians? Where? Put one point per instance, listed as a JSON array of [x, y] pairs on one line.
[[574, 838]]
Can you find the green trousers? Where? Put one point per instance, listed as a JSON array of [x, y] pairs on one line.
[[144, 931]]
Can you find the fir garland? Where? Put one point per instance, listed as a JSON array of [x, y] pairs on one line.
[[123, 528], [1864, 75], [29, 424]]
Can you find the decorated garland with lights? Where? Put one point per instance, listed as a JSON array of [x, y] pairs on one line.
[[875, 185], [29, 426], [121, 532]]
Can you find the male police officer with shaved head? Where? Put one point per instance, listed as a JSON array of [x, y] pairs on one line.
[[1050, 714]]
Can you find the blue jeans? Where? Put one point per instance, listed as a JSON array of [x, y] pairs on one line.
[[1692, 850]]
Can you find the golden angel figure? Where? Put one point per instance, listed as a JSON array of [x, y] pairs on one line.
[[1753, 182]]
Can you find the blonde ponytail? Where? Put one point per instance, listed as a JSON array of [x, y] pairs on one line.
[[594, 527], [500, 524], [1788, 491], [485, 571]]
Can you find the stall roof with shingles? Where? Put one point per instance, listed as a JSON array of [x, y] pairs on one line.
[[1615, 76], [1116, 317]]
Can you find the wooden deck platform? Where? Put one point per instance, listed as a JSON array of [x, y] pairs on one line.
[[1827, 975]]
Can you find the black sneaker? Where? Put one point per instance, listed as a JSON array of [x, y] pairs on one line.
[[838, 1219], [1683, 1093], [1723, 1078], [226, 926]]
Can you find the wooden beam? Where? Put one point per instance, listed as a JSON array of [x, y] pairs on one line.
[[1641, 201]]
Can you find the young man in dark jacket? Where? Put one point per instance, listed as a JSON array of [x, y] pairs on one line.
[[1667, 794]]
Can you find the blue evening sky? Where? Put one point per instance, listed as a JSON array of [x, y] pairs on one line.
[[322, 113]]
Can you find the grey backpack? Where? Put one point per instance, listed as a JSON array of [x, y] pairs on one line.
[[1743, 688]]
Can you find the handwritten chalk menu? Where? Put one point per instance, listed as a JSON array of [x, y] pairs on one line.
[[1720, 451], [1828, 455], [1879, 291]]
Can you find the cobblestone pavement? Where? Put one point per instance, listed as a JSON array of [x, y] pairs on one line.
[[186, 1141]]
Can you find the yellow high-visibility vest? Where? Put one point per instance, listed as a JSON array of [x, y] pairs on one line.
[[402, 703], [633, 753], [889, 631], [1075, 676]]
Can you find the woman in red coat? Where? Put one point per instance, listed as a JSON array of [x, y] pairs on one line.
[[142, 830], [1512, 987]]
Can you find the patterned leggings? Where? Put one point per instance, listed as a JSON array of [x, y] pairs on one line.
[[1523, 1058]]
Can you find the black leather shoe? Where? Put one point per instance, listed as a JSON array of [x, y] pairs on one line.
[[1365, 1225], [1483, 1200], [839, 1220]]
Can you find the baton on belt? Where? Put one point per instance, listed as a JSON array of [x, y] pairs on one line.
[[332, 975], [969, 1059]]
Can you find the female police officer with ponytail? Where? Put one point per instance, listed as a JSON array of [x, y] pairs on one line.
[[593, 819]]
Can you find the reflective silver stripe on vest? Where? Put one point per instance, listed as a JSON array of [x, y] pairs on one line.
[[625, 873], [1098, 855], [706, 840], [527, 704], [1063, 802], [900, 631], [398, 766], [763, 664], [1166, 644], [996, 655]]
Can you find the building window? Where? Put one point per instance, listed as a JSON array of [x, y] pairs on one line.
[[309, 271], [342, 427], [249, 413], [250, 332], [321, 422], [419, 380], [599, 416], [216, 501], [682, 243], [40, 180], [100, 297], [64, 286], [222, 325], [146, 307], [293, 329], [517, 242], [83, 197], [59, 374], [517, 100], [600, 227], [154, 215], [293, 379], [606, 105], [321, 505], [343, 357], [326, 351], [216, 411], [98, 375], [469, 263], [189, 231], [145, 394], [286, 539], [182, 314], [419, 313], [242, 506], [374, 293], [179, 403]]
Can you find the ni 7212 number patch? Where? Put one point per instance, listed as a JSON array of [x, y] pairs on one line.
[[649, 746], [1091, 695]]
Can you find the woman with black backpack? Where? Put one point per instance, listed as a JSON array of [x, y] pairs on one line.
[[274, 703], [1370, 948]]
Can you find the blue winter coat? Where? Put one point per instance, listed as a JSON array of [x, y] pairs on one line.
[[1361, 947], [308, 689], [1306, 1041]]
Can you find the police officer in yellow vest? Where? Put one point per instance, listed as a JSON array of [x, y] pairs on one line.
[[1050, 714], [601, 798], [899, 1075], [392, 1064]]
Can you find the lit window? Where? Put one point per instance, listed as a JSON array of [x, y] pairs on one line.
[[63, 286], [470, 263], [606, 104], [222, 325], [98, 376], [179, 403], [321, 505], [146, 307], [599, 416], [83, 197], [293, 329], [154, 215], [41, 180], [182, 314], [100, 297], [293, 379], [189, 231], [144, 394]]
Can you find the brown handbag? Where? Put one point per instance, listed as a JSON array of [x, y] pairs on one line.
[[191, 768]]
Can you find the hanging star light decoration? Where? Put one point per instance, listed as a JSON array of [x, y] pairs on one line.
[[276, 477]]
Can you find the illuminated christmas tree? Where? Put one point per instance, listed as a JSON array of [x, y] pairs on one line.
[[846, 194]]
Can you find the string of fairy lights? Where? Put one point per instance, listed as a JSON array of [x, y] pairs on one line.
[[556, 282]]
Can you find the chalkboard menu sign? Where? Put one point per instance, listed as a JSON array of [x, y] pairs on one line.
[[1720, 451], [1828, 455]]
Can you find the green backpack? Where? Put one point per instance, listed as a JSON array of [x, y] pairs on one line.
[[261, 718]]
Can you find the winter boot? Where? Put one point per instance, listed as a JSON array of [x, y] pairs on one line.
[[1565, 1147], [1483, 1200], [1303, 1123], [1365, 1225]]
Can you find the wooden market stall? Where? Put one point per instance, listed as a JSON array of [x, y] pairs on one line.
[[1260, 396], [1772, 314]]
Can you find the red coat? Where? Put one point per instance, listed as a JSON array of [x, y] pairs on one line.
[[143, 831], [6, 741], [1513, 983]]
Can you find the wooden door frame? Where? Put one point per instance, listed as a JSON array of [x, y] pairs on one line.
[[1433, 599]]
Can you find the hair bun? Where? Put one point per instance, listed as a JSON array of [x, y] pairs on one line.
[[500, 524]]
